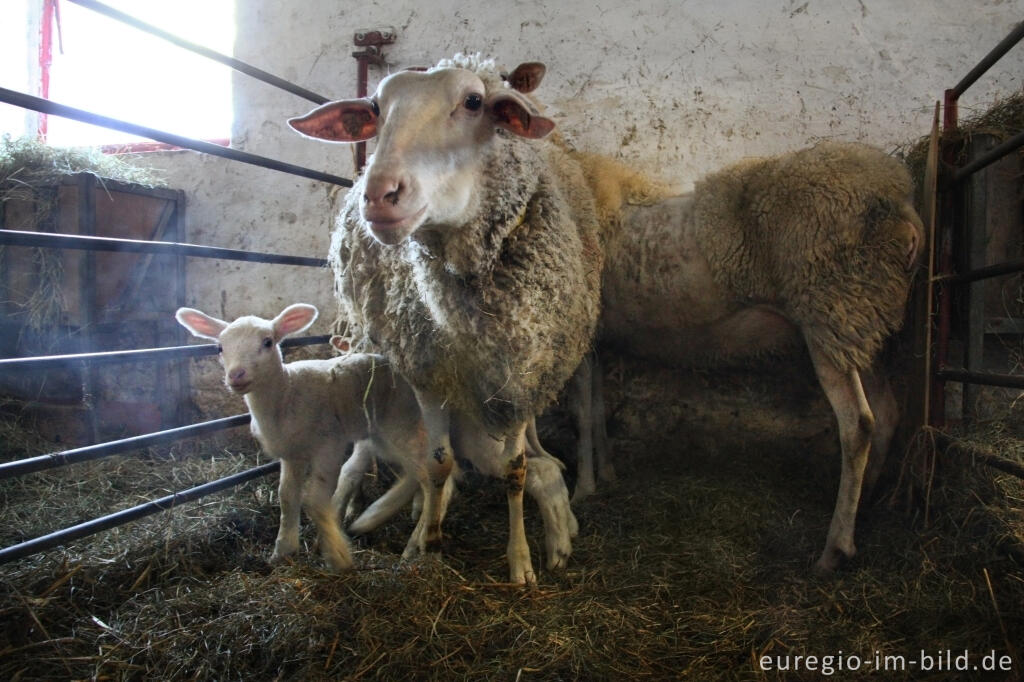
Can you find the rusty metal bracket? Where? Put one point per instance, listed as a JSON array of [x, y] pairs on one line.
[[371, 41]]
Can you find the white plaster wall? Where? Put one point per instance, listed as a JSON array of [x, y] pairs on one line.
[[679, 87]]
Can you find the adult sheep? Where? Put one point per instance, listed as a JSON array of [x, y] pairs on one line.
[[468, 254], [816, 246]]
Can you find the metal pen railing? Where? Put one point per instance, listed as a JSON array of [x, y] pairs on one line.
[[92, 243]]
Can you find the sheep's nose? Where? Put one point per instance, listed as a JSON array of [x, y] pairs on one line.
[[237, 374], [383, 190]]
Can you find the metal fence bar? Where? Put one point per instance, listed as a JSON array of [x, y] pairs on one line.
[[1008, 268], [986, 378], [80, 242], [102, 523], [235, 64], [1012, 144], [114, 447], [986, 63], [45, 362], [46, 106]]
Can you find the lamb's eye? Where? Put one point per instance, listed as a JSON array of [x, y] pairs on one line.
[[473, 102], [268, 342], [220, 349], [375, 107]]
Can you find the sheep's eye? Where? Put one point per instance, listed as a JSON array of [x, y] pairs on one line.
[[268, 342], [473, 102], [375, 107], [220, 349]]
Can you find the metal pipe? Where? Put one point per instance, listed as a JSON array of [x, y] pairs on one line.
[[991, 58], [984, 378], [120, 518], [986, 272], [235, 64], [101, 450], [990, 157], [20, 99], [45, 362], [74, 241]]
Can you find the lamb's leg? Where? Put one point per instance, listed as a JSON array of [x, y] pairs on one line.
[[856, 426], [545, 485], [519, 563], [433, 474], [887, 415], [351, 477], [387, 505], [289, 492], [605, 470], [580, 408], [319, 504]]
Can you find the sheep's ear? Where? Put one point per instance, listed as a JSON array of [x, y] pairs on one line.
[[509, 112], [351, 120], [295, 318], [341, 343], [200, 324], [526, 77]]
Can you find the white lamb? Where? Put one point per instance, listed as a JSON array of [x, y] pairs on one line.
[[308, 412]]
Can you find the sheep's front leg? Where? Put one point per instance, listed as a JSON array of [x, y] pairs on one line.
[[324, 472], [520, 565], [433, 475], [289, 492], [856, 425]]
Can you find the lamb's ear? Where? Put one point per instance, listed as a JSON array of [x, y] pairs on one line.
[[200, 324], [509, 112], [350, 120], [295, 318], [526, 77], [341, 343]]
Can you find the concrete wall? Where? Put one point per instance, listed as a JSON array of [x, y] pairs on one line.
[[678, 87]]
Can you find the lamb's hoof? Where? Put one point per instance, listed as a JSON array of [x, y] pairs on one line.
[[277, 558], [558, 559], [339, 563]]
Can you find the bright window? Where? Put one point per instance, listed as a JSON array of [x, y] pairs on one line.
[[109, 68]]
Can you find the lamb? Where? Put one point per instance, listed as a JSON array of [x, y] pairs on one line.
[[468, 254], [308, 412], [816, 245]]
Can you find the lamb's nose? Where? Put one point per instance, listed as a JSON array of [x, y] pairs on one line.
[[237, 374]]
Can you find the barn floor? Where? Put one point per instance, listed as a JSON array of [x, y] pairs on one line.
[[694, 564]]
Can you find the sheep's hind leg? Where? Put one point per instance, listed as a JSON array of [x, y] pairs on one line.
[[605, 470], [289, 492], [580, 406], [886, 411], [856, 426]]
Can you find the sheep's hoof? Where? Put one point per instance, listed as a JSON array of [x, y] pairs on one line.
[[581, 493], [831, 559], [523, 577]]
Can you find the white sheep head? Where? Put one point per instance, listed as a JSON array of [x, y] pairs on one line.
[[433, 132], [249, 347]]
